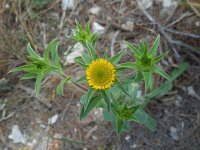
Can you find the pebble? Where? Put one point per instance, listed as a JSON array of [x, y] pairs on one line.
[[145, 4], [95, 10], [173, 133]]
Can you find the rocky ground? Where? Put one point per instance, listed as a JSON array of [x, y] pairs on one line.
[[28, 122]]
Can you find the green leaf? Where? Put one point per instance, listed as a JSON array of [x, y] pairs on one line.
[[154, 48], [119, 125], [29, 76], [134, 108], [91, 50], [135, 51], [39, 3], [86, 58], [49, 48], [92, 104], [87, 29], [60, 86], [150, 123], [81, 79], [163, 89], [167, 86], [90, 93], [38, 82], [54, 55], [148, 78], [108, 116], [138, 77], [78, 26], [131, 65], [121, 87], [181, 68], [106, 98], [142, 48], [68, 140], [141, 116], [133, 90], [161, 72], [158, 58], [80, 61], [116, 58], [26, 68], [31, 52]]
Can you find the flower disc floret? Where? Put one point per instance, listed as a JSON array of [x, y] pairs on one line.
[[100, 74]]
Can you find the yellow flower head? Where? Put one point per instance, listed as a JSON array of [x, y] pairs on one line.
[[100, 74]]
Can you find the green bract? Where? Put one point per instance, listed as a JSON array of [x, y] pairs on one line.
[[38, 67], [119, 97], [146, 62]]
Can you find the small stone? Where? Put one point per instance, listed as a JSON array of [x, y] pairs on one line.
[[7, 6], [68, 4], [127, 138], [166, 111], [173, 133], [53, 119], [178, 101], [96, 27], [145, 4], [94, 138], [166, 3], [197, 23], [58, 135], [95, 10], [78, 49], [129, 25], [16, 135], [42, 126], [134, 146]]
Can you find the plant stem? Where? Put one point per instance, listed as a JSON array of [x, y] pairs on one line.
[[74, 83]]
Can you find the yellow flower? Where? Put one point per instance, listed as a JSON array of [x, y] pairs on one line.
[[100, 74]]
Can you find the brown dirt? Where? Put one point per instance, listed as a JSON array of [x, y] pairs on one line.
[[177, 109]]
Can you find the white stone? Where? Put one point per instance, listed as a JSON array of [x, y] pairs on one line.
[[53, 119], [173, 133], [145, 4], [16, 135], [129, 25], [96, 27], [197, 23], [78, 49], [128, 137], [95, 10], [166, 3], [68, 4]]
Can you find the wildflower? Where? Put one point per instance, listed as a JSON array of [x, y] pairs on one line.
[[100, 74]]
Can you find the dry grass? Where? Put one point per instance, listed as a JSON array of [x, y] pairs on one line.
[[21, 23]]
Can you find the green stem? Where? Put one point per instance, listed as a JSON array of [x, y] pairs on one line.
[[74, 83]]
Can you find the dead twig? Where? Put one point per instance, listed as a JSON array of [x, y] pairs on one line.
[[31, 91], [91, 131], [112, 53], [26, 30], [193, 8], [67, 107], [160, 29], [182, 33], [187, 14]]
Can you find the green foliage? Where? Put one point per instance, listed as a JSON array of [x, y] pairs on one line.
[[146, 61], [39, 3], [60, 87], [86, 38], [121, 102], [38, 67]]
